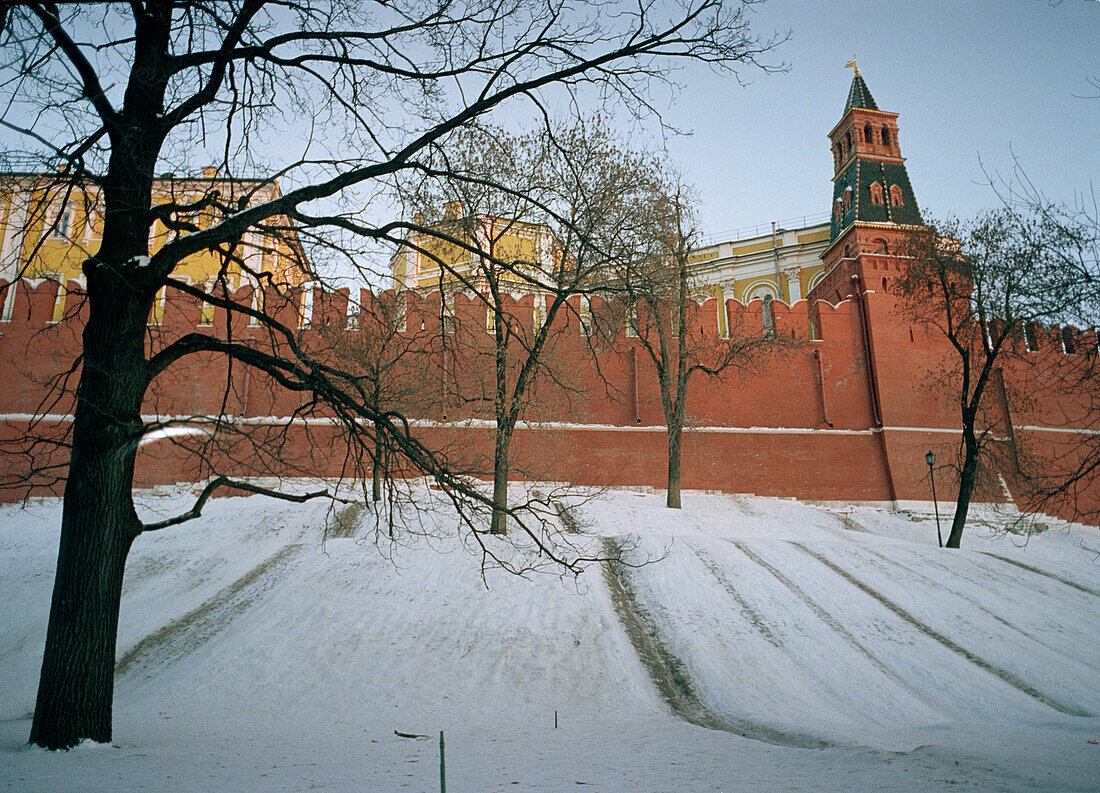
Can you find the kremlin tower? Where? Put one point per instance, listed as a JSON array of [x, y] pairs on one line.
[[873, 202]]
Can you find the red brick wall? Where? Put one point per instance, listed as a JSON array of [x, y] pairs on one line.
[[759, 430]]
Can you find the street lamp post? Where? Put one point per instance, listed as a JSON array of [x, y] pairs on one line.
[[930, 458]]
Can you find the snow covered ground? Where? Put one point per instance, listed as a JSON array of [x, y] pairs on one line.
[[774, 646]]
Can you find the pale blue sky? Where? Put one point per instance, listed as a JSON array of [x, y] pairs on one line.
[[970, 79]]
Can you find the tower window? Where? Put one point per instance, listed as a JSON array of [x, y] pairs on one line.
[[886, 136], [868, 133], [848, 139], [847, 199], [895, 196], [838, 210], [876, 193]]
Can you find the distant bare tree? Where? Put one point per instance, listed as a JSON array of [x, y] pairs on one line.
[[982, 285], [377, 348], [545, 214], [658, 279], [1070, 484]]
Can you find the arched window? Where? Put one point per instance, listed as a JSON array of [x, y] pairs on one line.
[[817, 279], [847, 198], [886, 136], [763, 291], [895, 196], [876, 193], [879, 245], [848, 139], [868, 133], [838, 210]]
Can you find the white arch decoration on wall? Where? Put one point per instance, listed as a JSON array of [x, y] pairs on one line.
[[817, 279], [762, 286]]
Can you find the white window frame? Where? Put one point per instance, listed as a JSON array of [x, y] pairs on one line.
[[59, 221], [352, 315]]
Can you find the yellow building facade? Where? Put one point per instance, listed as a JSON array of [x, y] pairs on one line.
[[430, 260], [48, 228], [782, 262]]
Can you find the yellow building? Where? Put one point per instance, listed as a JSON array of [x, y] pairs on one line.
[[783, 263], [48, 228], [757, 262], [426, 262]]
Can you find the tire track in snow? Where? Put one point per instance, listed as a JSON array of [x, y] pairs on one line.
[[1044, 573], [975, 603], [985, 572], [667, 671], [847, 635], [848, 523], [926, 629], [345, 523], [182, 635], [751, 615]]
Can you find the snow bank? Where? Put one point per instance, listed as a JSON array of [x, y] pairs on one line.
[[256, 651]]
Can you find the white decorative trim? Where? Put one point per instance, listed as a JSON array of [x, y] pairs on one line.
[[60, 418], [770, 284]]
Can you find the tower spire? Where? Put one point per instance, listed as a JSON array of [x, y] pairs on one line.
[[871, 182], [873, 201], [859, 95]]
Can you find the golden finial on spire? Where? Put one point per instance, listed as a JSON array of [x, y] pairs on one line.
[[852, 64]]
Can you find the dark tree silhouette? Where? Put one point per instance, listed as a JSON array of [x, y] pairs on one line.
[[332, 98], [984, 286]]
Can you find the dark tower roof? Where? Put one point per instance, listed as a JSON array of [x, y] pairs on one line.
[[871, 184], [859, 95]]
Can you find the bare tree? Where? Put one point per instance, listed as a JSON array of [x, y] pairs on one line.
[[375, 346], [662, 312], [985, 286], [545, 214], [1063, 478], [112, 95]]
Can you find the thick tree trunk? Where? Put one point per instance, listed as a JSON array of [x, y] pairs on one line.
[[675, 435], [967, 481], [378, 463], [499, 522], [76, 687], [98, 525]]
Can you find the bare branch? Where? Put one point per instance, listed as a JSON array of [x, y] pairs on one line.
[[246, 487]]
